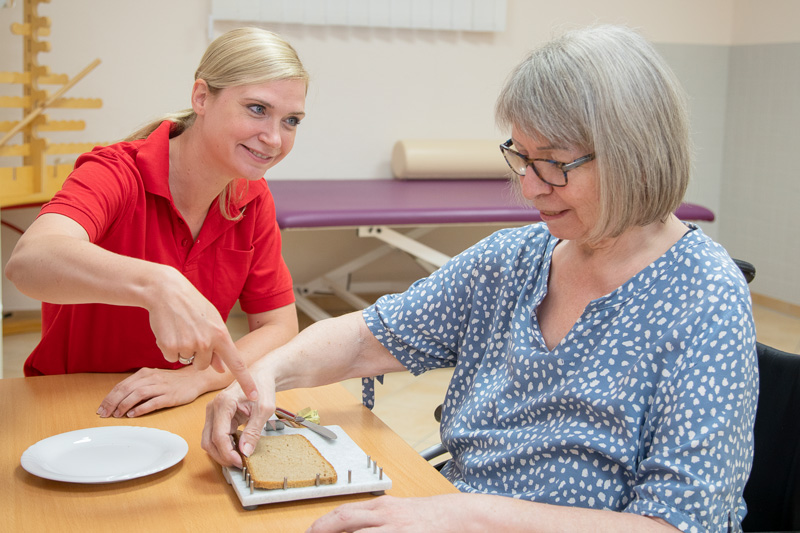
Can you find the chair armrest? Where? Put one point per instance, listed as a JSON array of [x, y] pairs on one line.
[[433, 451]]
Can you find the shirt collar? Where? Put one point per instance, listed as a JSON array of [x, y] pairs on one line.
[[153, 163]]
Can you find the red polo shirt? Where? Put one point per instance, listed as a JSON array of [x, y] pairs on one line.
[[120, 195]]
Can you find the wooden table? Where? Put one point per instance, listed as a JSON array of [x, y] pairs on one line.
[[190, 496]]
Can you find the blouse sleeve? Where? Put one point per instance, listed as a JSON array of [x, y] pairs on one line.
[[697, 445], [449, 313], [424, 326]]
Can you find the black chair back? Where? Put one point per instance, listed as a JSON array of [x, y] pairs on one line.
[[773, 491]]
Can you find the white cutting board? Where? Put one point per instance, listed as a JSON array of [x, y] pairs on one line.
[[342, 453]]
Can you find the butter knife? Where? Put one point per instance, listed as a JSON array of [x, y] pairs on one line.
[[316, 428]]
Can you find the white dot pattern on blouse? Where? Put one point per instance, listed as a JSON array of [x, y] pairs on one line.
[[646, 406]]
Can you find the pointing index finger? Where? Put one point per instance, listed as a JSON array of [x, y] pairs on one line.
[[238, 368]]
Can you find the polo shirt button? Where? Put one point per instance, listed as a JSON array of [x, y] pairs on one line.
[[185, 242]]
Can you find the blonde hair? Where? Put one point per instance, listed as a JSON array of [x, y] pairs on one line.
[[244, 56], [606, 90]]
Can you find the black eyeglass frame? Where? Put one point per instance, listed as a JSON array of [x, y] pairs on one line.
[[564, 167]]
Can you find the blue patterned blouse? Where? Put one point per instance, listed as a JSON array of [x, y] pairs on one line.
[[646, 406]]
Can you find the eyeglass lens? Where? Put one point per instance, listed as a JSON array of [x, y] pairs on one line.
[[547, 171]]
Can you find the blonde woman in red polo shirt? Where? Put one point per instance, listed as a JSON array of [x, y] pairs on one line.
[[140, 257]]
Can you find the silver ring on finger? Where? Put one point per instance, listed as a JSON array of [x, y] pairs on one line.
[[186, 361]]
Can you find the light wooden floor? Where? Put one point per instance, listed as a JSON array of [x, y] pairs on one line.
[[406, 402]]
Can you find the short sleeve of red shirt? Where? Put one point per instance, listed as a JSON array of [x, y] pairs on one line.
[[104, 183], [269, 284]]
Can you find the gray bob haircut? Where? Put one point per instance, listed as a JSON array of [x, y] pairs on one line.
[[606, 90]]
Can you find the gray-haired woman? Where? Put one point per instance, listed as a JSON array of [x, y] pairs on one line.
[[605, 373]]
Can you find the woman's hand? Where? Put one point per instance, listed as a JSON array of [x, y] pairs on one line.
[[327, 351], [224, 415], [387, 513], [188, 327], [150, 389]]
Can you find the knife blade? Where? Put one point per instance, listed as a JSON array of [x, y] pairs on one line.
[[316, 428]]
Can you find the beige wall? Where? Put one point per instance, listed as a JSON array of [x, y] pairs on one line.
[[371, 87], [766, 21]]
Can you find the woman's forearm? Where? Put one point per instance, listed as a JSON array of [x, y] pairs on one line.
[[499, 513], [55, 262], [326, 352], [467, 513]]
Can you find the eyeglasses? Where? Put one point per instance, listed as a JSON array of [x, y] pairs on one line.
[[551, 172]]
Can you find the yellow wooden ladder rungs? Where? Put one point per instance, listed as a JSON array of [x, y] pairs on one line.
[[48, 125], [24, 150], [18, 185], [25, 77]]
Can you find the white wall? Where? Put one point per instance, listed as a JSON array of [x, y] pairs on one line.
[[371, 87]]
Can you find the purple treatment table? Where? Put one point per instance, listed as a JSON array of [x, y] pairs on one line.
[[388, 202], [372, 206]]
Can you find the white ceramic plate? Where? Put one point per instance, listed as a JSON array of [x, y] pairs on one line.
[[104, 454]]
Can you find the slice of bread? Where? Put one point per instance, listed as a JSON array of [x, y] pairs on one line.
[[289, 456]]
